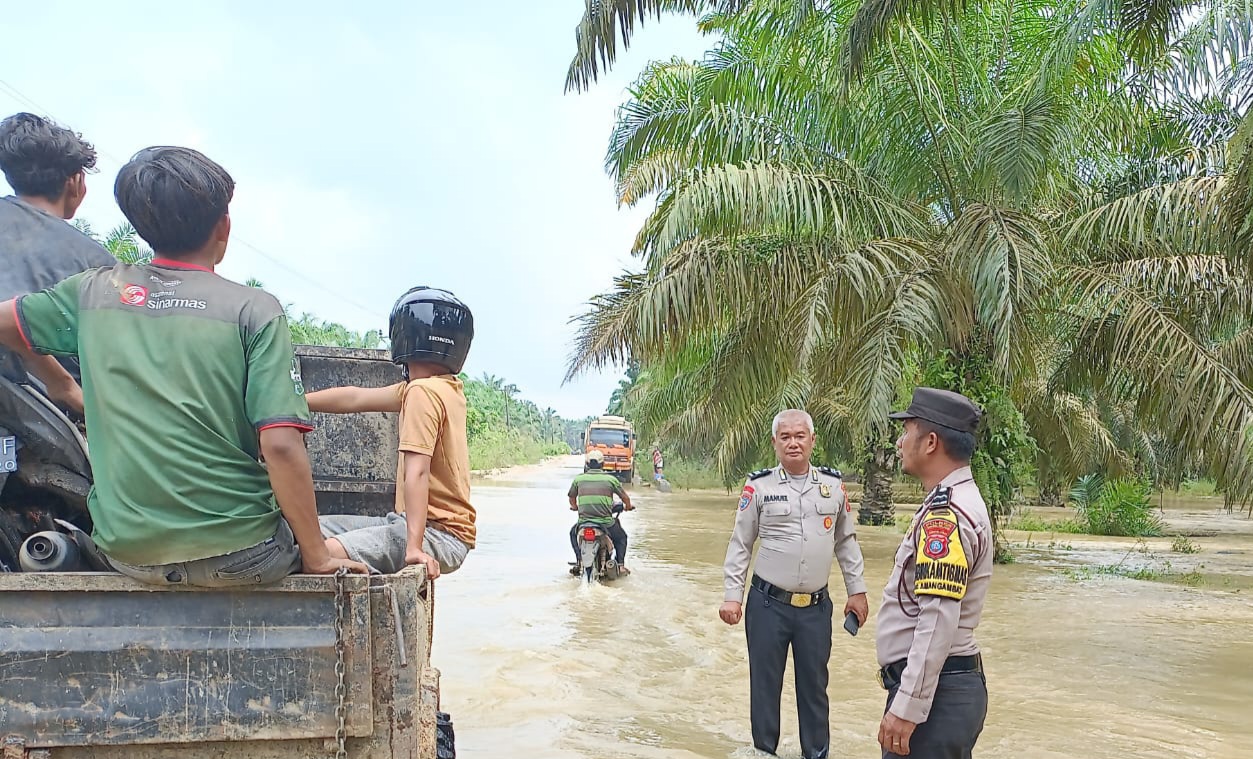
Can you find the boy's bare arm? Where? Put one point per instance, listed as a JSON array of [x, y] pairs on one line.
[[417, 494], [59, 383], [353, 400], [292, 479]]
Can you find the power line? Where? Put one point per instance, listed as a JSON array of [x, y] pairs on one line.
[[20, 97]]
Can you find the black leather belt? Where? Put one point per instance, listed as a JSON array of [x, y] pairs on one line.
[[890, 676], [800, 600]]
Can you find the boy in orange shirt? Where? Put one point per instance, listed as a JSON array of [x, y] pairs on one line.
[[433, 525]]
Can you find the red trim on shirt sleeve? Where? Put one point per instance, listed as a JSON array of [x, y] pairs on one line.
[[298, 425], [17, 317]]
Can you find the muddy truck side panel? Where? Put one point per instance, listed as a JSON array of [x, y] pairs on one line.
[[97, 665]]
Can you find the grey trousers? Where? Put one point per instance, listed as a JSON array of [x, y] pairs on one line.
[[379, 542], [956, 719], [772, 626], [267, 562]]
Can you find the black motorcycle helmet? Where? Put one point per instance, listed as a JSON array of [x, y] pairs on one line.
[[431, 325]]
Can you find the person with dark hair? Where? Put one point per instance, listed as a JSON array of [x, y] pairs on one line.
[[929, 661], [434, 523], [188, 381], [46, 166]]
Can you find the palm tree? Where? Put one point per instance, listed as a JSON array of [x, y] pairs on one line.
[[509, 391], [1067, 233], [618, 400], [122, 242], [551, 421]]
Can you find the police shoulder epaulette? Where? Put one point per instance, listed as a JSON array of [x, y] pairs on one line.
[[940, 498], [829, 471], [759, 474]]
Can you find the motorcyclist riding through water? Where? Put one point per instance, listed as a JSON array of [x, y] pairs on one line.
[[592, 495]]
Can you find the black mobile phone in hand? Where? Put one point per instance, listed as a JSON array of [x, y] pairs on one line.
[[850, 622]]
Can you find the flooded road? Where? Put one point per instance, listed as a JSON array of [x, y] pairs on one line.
[[535, 665]]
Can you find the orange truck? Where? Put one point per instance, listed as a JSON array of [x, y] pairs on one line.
[[615, 438]]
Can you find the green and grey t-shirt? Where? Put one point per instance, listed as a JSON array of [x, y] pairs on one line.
[[594, 493], [181, 371]]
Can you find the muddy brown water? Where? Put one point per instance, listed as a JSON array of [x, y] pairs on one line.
[[1080, 664]]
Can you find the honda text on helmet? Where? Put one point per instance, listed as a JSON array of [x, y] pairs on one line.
[[431, 326]]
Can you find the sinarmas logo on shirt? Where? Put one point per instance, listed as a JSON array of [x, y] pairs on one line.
[[134, 295], [158, 305]]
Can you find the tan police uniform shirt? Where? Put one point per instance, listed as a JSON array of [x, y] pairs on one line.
[[433, 423], [935, 595], [802, 526]]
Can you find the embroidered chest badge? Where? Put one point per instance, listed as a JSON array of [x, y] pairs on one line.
[[826, 523]]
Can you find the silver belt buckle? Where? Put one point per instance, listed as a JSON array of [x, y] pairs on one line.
[[802, 600]]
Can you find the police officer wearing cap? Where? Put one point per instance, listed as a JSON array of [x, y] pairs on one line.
[[929, 661], [803, 520]]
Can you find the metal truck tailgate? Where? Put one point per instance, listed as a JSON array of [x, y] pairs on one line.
[[98, 659]]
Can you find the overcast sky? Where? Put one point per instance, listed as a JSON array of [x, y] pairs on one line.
[[375, 146]]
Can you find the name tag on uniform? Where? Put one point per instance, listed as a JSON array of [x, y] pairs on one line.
[[824, 491], [774, 499], [8, 454]]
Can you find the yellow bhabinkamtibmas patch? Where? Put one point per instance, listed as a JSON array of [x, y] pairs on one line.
[[940, 564]]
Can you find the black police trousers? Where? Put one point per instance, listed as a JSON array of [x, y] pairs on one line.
[[771, 626], [955, 721], [616, 534]]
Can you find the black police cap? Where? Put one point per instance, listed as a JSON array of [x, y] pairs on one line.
[[942, 407]]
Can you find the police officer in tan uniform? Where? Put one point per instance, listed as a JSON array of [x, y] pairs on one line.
[[803, 519], [930, 662]]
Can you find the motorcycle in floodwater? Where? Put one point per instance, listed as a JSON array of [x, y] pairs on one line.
[[596, 560]]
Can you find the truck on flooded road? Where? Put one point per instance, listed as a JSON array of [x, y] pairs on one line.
[[613, 436], [94, 664]]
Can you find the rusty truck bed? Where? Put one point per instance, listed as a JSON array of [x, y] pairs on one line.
[[97, 665]]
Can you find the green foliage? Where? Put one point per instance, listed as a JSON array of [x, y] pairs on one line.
[[1116, 507], [1184, 544], [1005, 452], [620, 401], [505, 430], [122, 242], [1198, 488], [1056, 198], [684, 473], [1026, 521], [495, 447], [309, 330]]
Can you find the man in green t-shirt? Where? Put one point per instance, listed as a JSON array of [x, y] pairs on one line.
[[591, 494], [188, 380]]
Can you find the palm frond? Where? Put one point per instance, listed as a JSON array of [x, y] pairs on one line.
[[608, 23], [839, 203]]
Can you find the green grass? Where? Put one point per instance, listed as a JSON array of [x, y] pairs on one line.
[[1027, 521], [683, 474], [1199, 488], [1156, 570], [1183, 544], [496, 448], [1193, 579]]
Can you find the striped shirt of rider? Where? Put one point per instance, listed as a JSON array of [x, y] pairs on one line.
[[594, 492]]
